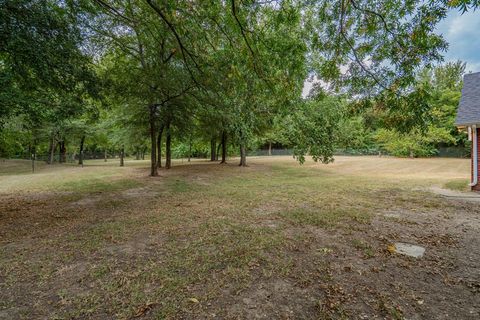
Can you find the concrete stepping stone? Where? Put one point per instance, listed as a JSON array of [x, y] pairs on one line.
[[409, 249]]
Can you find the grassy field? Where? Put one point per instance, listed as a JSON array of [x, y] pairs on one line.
[[275, 240]]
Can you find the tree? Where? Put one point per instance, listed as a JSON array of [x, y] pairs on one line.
[[313, 129], [44, 74], [443, 84]]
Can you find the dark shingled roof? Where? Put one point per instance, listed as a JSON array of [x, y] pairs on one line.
[[469, 109]]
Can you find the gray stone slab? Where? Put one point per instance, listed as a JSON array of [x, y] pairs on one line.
[[410, 250]]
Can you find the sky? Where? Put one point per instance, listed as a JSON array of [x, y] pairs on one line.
[[462, 32]]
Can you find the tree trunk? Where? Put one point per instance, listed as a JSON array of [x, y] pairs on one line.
[[51, 156], [137, 153], [144, 150], [269, 148], [243, 155], [159, 147], [218, 151], [80, 157], [34, 155], [153, 140], [189, 149], [224, 147], [122, 154], [168, 143], [105, 155], [213, 145], [62, 152]]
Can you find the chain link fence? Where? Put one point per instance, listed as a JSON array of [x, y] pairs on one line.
[[338, 152], [443, 152], [448, 152], [454, 152], [67, 157]]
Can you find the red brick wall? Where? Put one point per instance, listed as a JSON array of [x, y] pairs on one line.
[[477, 187]]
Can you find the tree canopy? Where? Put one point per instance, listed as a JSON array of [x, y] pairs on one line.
[[134, 75]]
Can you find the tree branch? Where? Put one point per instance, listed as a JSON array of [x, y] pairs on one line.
[[183, 49], [382, 18], [113, 10], [352, 48], [242, 30]]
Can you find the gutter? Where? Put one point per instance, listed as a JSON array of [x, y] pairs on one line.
[[474, 156]]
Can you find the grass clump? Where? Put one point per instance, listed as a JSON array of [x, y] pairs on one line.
[[325, 218], [100, 185], [457, 185]]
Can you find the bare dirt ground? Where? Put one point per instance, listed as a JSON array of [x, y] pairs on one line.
[[275, 240]]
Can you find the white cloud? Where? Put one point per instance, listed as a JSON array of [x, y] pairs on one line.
[[308, 85], [461, 31]]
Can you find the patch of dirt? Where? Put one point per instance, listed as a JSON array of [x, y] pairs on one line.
[[140, 245], [89, 201], [268, 208], [138, 192], [274, 299], [350, 273]]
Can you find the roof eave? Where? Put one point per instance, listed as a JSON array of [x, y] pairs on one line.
[[467, 124]]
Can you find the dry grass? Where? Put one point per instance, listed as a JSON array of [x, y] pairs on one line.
[[274, 240]]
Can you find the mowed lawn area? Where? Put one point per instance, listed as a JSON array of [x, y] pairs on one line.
[[275, 240]]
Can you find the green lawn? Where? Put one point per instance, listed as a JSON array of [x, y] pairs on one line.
[[275, 240]]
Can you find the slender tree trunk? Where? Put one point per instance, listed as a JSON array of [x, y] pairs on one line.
[[153, 140], [270, 148], [168, 145], [213, 145], [137, 153], [51, 156], [243, 155], [59, 147], [159, 147], [62, 152], [122, 154], [34, 155], [224, 147], [189, 149], [144, 150], [218, 151], [105, 155], [80, 157]]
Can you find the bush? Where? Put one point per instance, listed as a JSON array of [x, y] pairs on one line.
[[413, 143]]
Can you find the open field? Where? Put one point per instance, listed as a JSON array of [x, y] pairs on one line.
[[275, 240]]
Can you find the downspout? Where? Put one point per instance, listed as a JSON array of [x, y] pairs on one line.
[[474, 156]]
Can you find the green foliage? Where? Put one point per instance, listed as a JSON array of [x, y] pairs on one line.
[[313, 129], [353, 134], [41, 61], [113, 73], [415, 143], [442, 85], [13, 138], [198, 149]]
